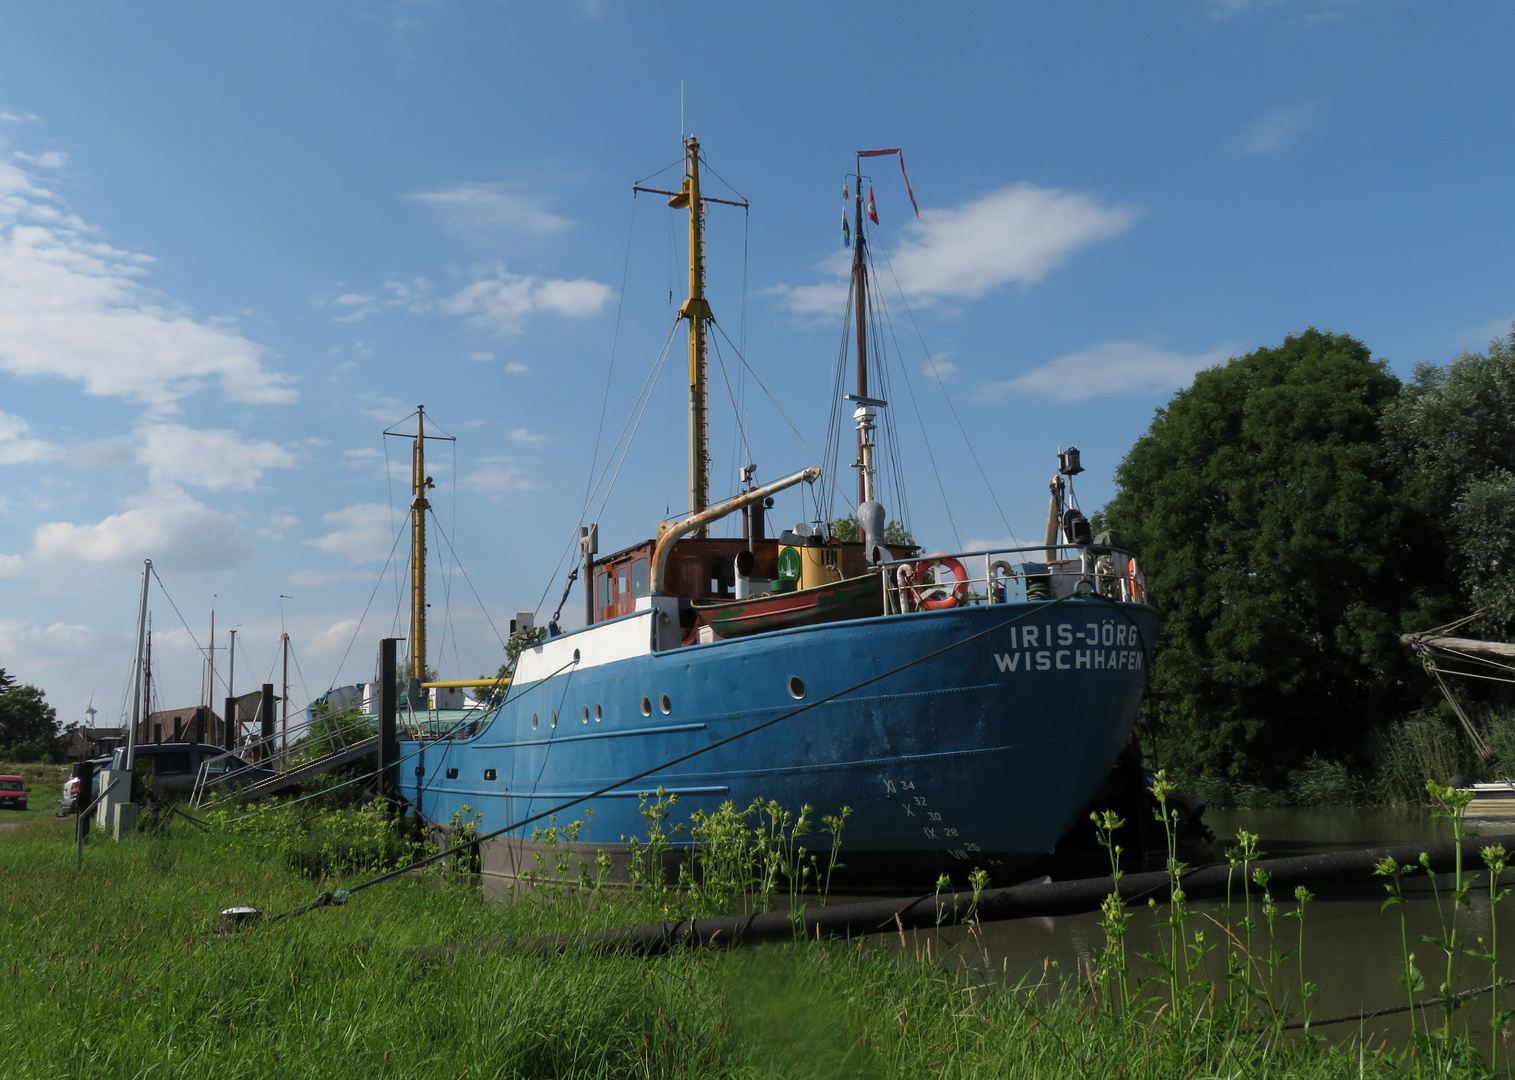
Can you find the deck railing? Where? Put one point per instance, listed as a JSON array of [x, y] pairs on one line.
[[1010, 576]]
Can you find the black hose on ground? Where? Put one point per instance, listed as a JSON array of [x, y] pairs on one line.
[[928, 911]]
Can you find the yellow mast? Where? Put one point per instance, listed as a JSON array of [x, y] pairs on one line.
[[419, 482], [697, 311]]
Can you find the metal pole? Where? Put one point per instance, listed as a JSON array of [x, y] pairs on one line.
[[131, 734], [418, 507], [284, 722], [210, 671], [266, 714], [229, 721], [697, 310], [860, 300], [589, 547], [84, 772], [389, 743]]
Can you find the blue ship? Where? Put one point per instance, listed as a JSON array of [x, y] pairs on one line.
[[978, 742], [963, 707]]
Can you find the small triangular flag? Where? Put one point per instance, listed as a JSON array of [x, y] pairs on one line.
[[872, 210], [846, 231]]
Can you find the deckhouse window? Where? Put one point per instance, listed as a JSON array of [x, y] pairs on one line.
[[622, 584], [639, 578]]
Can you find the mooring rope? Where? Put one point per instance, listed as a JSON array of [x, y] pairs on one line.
[[1464, 996], [341, 896]]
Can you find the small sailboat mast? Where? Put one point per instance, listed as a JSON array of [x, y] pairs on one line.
[[138, 687], [860, 317], [419, 483]]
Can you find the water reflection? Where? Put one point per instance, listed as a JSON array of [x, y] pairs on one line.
[[1352, 950]]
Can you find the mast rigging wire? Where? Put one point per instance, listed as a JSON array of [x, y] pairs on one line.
[[931, 360], [762, 386], [638, 410], [615, 340], [358, 629], [930, 454], [326, 898], [464, 571]]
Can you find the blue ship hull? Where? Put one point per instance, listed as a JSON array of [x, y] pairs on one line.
[[982, 754]]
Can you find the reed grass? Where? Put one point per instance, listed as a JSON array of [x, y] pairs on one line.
[[117, 970]]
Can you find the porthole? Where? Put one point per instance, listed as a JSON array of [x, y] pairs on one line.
[[598, 715], [420, 770], [489, 774], [586, 714], [665, 704], [534, 721], [452, 774], [646, 706], [554, 718], [576, 656], [796, 687]]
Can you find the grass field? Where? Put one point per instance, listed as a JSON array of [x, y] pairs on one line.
[[116, 969], [46, 782]]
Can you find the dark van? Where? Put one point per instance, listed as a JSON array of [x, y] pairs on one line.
[[175, 765]]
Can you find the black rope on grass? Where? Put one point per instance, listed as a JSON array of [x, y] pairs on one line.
[[1464, 996], [342, 895]]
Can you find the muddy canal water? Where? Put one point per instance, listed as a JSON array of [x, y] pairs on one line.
[[1352, 951]]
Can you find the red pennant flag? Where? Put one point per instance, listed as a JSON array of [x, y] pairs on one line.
[[906, 175], [872, 210]]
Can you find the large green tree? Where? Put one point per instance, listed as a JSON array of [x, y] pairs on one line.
[[1285, 555], [28, 724], [1453, 430]]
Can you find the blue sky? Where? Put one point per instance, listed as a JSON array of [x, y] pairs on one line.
[[236, 243]]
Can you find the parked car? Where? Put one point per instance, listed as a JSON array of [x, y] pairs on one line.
[[13, 792], [71, 787], [175, 765]]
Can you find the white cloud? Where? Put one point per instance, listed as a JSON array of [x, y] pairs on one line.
[[1230, 9], [360, 304], [164, 525], [360, 457], [75, 308], [17, 449], [1271, 130], [940, 367], [278, 525], [1002, 543], [498, 475], [517, 369], [1319, 10], [12, 565], [1017, 234], [312, 579], [211, 458], [501, 303], [1479, 336], [385, 409], [66, 637], [334, 639], [1116, 367], [480, 213], [481, 357], [49, 159], [115, 450], [522, 435], [363, 533]]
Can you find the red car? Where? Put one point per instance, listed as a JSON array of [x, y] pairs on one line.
[[13, 792]]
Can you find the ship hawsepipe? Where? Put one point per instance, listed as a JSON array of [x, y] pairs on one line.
[[980, 752]]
